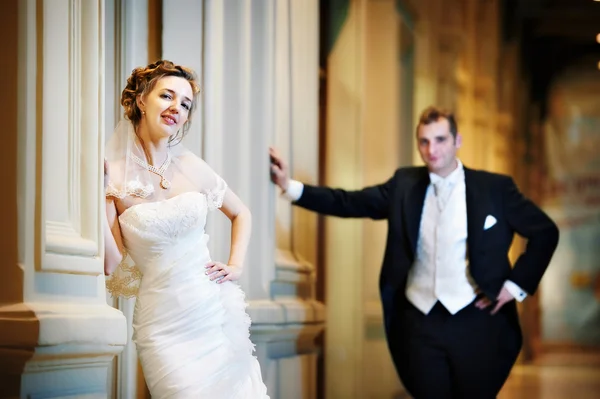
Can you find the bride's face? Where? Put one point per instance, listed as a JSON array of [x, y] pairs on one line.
[[167, 106]]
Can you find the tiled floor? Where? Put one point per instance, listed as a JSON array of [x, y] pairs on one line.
[[553, 382], [557, 376]]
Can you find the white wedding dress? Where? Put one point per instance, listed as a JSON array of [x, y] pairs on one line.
[[192, 334]]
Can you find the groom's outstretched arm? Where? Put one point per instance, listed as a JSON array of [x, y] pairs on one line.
[[371, 202]]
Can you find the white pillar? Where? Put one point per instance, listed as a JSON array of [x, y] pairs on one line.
[[260, 81], [182, 43], [126, 33], [58, 336], [296, 135]]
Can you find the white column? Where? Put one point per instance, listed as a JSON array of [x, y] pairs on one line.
[[126, 32], [260, 78], [296, 135], [182, 43], [59, 338]]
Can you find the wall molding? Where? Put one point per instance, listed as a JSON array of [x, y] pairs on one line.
[[70, 136]]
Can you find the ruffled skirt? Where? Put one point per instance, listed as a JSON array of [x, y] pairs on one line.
[[192, 336]]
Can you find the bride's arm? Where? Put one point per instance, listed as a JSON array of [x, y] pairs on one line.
[[112, 238], [113, 245], [241, 226]]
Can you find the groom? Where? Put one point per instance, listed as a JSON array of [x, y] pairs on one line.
[[447, 287]]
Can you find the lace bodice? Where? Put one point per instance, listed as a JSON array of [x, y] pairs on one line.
[[156, 233], [167, 220]]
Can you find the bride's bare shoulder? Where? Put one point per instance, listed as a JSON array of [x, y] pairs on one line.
[[187, 157]]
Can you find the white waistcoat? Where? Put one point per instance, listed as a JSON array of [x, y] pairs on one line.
[[440, 271]]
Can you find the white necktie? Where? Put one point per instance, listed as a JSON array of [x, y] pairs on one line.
[[442, 192]]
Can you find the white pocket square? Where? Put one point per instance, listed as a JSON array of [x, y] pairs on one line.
[[489, 222]]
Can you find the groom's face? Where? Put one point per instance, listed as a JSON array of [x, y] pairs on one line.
[[438, 146]]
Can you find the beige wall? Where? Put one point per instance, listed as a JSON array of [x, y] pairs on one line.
[[382, 151], [12, 311], [343, 246], [363, 147], [567, 146], [458, 63], [458, 55], [8, 160]]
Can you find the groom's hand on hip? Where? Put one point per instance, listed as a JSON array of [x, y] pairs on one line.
[[503, 298]]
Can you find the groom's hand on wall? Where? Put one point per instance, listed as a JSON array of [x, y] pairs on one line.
[[279, 170]]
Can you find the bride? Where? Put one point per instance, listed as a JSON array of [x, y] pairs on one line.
[[190, 326]]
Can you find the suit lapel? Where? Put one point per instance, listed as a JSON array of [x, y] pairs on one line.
[[415, 200], [475, 209]]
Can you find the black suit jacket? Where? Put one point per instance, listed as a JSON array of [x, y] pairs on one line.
[[400, 200]]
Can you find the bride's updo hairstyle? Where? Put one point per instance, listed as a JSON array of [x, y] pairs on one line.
[[141, 82]]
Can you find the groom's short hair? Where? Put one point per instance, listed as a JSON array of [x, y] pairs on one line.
[[433, 114]]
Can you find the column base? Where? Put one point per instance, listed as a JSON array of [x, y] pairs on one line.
[[288, 327], [285, 333], [58, 350]]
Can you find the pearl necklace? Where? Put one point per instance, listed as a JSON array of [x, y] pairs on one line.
[[164, 183]]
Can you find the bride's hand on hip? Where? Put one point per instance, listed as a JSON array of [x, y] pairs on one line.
[[220, 272]]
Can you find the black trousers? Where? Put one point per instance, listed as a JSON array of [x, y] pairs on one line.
[[467, 355]]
